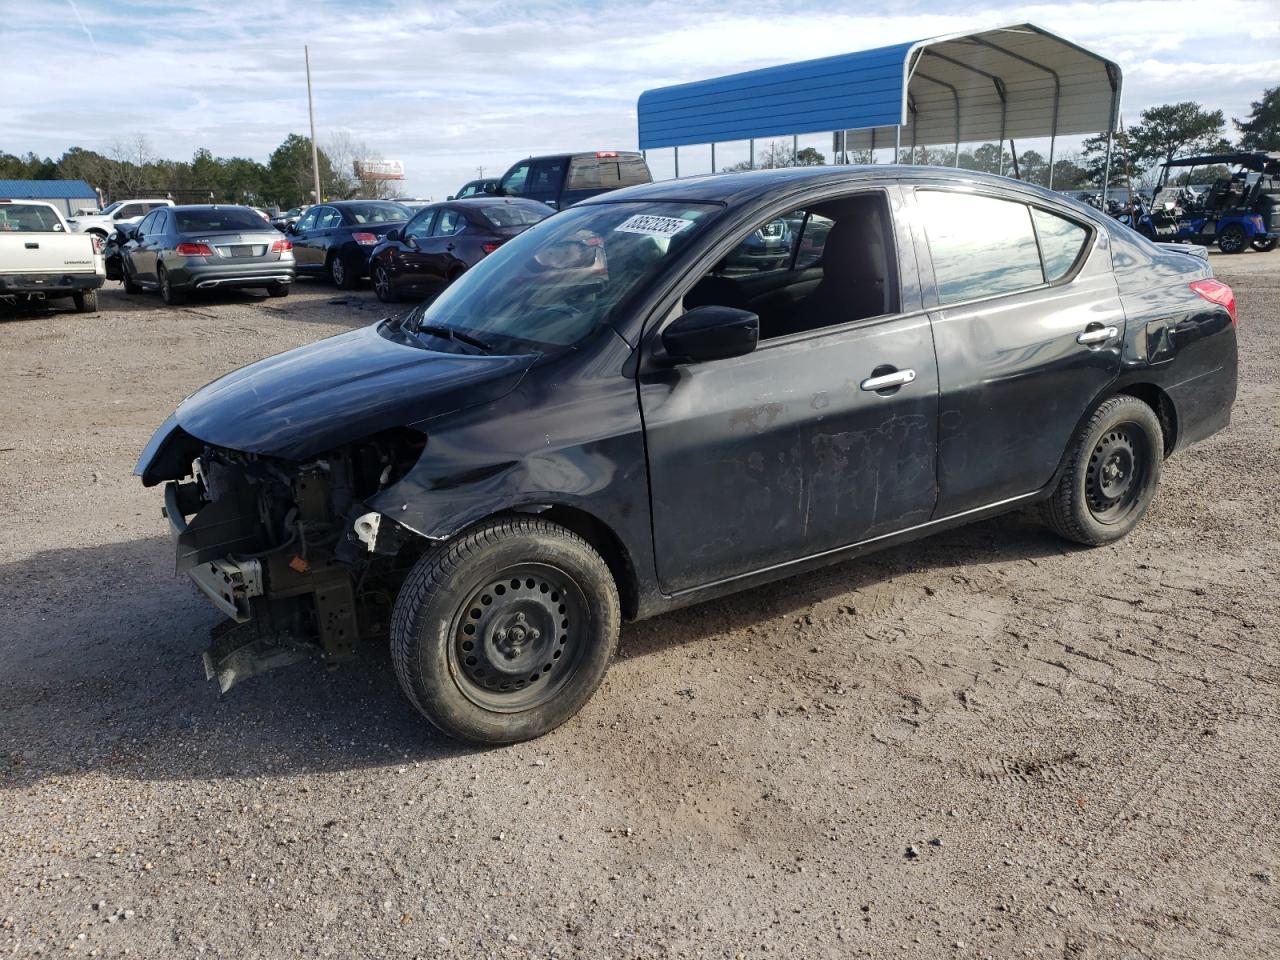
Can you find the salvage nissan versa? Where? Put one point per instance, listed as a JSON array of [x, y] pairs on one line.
[[601, 421]]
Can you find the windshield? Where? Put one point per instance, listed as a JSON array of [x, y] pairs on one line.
[[376, 212], [28, 218], [558, 281], [227, 218]]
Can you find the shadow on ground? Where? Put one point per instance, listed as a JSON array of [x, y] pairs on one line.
[[102, 649]]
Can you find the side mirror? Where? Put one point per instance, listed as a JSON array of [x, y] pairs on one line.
[[451, 197], [711, 333], [291, 228]]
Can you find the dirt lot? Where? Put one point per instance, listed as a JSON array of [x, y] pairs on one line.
[[985, 744]]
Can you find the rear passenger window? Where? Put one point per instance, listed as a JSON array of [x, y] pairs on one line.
[[1061, 242], [980, 246]]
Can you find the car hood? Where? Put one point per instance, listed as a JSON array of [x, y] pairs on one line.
[[302, 403]]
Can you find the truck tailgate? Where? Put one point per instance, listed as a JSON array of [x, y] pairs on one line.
[[52, 253]]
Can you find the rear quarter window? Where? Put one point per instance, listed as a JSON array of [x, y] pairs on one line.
[[980, 246], [1062, 241]]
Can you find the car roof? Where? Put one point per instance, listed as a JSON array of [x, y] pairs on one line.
[[752, 185], [351, 203], [192, 207]]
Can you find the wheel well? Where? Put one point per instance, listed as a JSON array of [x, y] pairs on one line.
[[606, 543], [1159, 401]]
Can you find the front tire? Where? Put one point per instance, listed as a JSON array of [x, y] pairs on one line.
[[86, 301], [505, 632], [170, 294], [1232, 239], [1113, 469]]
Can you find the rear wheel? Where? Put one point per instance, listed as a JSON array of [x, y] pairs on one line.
[[168, 292], [340, 273], [86, 301], [382, 284], [278, 290], [1112, 472], [504, 633], [1232, 239], [1264, 244]]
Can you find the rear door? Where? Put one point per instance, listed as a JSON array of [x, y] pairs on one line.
[[824, 436], [436, 253], [1028, 326]]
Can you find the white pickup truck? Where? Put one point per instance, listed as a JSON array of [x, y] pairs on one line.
[[122, 212], [40, 259]]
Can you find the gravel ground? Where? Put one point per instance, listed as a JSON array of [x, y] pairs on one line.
[[987, 744]]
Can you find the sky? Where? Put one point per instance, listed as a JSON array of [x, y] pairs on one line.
[[452, 87]]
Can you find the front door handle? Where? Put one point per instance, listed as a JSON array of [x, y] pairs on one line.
[[888, 381], [1097, 335]]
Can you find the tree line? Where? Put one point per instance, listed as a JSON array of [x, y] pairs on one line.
[[130, 168], [1161, 133]]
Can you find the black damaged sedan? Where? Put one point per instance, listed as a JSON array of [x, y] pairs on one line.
[[602, 421]]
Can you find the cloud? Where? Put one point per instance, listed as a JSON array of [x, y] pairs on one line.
[[449, 88]]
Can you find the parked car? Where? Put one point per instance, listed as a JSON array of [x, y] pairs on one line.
[[334, 240], [476, 188], [40, 259], [440, 242], [113, 215], [594, 423], [282, 221], [202, 247], [564, 179]]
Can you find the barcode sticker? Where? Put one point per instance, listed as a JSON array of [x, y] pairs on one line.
[[651, 226]]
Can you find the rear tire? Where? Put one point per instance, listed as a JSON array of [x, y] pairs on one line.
[[278, 290], [168, 293], [341, 274], [505, 632], [1264, 244], [1113, 469], [1232, 239], [86, 301]]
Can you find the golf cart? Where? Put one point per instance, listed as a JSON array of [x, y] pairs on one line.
[[1237, 211]]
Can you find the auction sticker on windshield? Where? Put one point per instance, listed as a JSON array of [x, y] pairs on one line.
[[651, 226]]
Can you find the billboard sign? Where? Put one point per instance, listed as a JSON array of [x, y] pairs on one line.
[[379, 169]]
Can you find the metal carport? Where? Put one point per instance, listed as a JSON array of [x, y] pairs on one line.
[[991, 85]]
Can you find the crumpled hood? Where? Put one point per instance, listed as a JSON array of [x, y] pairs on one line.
[[304, 402]]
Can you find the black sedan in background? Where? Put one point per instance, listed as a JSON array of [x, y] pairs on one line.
[[179, 249], [442, 241], [334, 240]]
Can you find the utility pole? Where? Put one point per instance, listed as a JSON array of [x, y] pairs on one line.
[[480, 172], [311, 112]]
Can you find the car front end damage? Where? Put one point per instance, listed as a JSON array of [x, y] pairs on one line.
[[289, 552]]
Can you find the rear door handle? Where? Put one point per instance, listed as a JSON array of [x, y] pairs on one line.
[[32, 246], [899, 378], [1097, 335]]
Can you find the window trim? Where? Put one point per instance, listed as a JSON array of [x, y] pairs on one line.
[[929, 289]]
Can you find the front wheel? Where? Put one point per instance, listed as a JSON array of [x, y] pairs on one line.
[[504, 633], [1112, 471], [1264, 244], [1232, 239]]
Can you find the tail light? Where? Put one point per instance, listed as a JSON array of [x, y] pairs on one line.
[[282, 246], [606, 154], [490, 246], [365, 239], [1215, 291], [194, 250]]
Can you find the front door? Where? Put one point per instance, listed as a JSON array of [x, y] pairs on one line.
[[1028, 326], [822, 437], [143, 248], [308, 247]]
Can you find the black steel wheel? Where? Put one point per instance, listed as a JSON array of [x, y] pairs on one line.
[[503, 633], [1232, 239], [519, 639], [1112, 470], [382, 284]]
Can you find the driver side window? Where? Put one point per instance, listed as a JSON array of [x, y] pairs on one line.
[[514, 184], [308, 222], [809, 268]]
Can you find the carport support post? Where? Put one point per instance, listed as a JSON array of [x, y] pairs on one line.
[[677, 163], [713, 158], [795, 149], [311, 112], [1106, 171], [751, 146]]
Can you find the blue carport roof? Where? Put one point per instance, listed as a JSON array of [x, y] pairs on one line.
[[1012, 81], [46, 189]]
